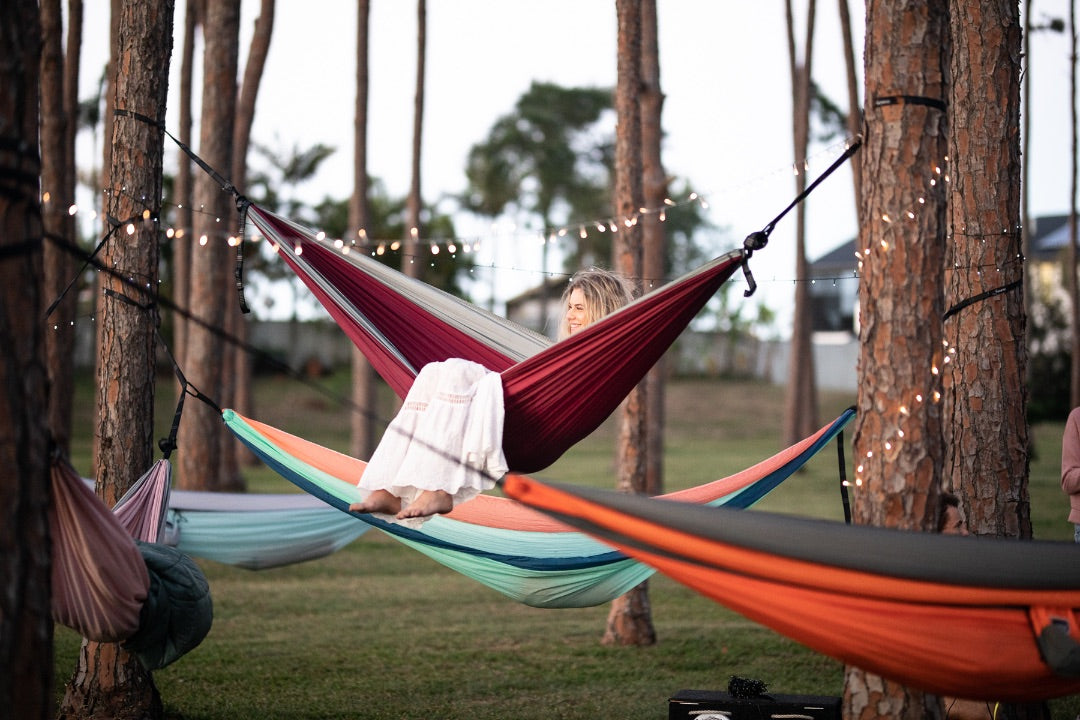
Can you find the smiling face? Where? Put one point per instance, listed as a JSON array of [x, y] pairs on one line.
[[577, 311]]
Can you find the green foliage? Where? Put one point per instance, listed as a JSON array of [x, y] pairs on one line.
[[546, 151]]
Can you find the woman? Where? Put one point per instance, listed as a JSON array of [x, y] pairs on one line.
[[590, 295], [445, 445]]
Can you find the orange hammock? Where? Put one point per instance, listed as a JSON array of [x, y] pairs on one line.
[[980, 618]]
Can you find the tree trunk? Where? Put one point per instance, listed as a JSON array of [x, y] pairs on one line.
[[183, 239], [985, 370], [237, 357], [109, 90], [855, 115], [26, 624], [202, 435], [1072, 284], [108, 681], [897, 441], [1025, 154], [654, 236], [801, 409], [630, 619], [362, 438], [58, 194], [985, 387], [412, 263]]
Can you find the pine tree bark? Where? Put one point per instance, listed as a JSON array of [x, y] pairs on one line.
[[985, 368], [58, 194], [898, 445], [630, 619], [412, 263], [801, 405], [362, 426], [202, 435], [108, 681], [241, 360], [183, 236], [25, 611], [654, 235]]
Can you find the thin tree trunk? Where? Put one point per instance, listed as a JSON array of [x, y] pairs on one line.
[[654, 236], [985, 372], [26, 626], [898, 444], [183, 237], [362, 437], [630, 618], [202, 435], [413, 262], [108, 681], [106, 153], [1072, 283], [1025, 219], [801, 410], [238, 325], [58, 194], [985, 369], [855, 116]]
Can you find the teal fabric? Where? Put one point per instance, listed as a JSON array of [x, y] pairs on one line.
[[541, 569], [260, 539]]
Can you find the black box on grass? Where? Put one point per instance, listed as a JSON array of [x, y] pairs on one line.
[[715, 705]]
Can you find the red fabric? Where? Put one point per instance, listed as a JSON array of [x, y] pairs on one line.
[[552, 399], [964, 641], [559, 396], [411, 329]]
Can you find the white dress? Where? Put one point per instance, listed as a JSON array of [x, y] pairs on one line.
[[447, 436]]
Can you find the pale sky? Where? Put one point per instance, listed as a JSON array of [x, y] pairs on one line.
[[724, 71]]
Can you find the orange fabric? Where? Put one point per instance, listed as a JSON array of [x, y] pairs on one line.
[[972, 642], [504, 513]]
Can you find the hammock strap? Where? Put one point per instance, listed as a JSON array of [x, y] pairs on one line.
[[242, 202], [758, 240], [980, 297], [114, 225], [168, 444], [843, 476]]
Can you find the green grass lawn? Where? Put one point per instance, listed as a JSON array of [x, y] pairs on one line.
[[380, 631]]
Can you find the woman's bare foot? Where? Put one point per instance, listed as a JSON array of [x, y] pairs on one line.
[[379, 501], [427, 503]]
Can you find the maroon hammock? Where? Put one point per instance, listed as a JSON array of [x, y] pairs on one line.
[[555, 395]]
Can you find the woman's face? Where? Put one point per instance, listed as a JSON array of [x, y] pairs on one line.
[[576, 311]]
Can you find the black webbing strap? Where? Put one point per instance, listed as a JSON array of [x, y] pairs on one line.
[[168, 444], [993, 292], [87, 261], [758, 240], [843, 477], [27, 247], [885, 100]]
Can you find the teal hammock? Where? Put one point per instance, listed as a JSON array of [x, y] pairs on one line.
[[519, 552]]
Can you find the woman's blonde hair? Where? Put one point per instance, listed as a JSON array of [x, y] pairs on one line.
[[604, 292]]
